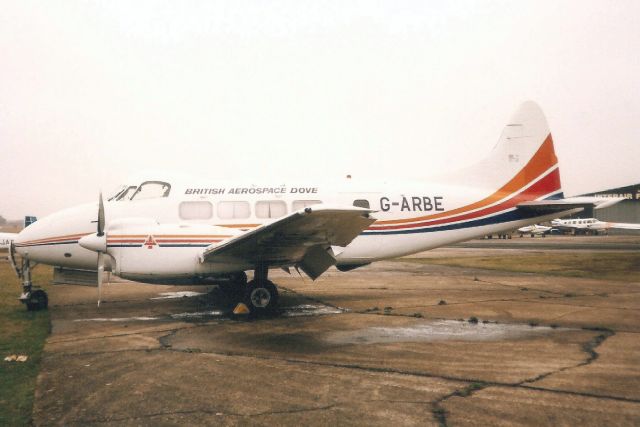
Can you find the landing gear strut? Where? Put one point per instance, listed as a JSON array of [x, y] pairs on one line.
[[34, 299]]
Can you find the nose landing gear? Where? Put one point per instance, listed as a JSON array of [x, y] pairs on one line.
[[34, 299], [37, 300]]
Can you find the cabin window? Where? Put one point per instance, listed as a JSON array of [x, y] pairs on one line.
[[152, 190], [234, 210], [301, 204], [361, 203], [195, 210], [270, 209]]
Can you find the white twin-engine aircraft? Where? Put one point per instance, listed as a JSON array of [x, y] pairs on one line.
[[199, 232], [591, 225], [534, 230]]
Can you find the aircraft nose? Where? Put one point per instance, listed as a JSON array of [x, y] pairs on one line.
[[32, 234], [58, 229]]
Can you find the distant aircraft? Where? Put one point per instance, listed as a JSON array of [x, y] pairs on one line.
[[584, 225], [534, 230], [202, 232], [7, 238]]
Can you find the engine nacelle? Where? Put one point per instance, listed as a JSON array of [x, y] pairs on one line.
[[147, 251]]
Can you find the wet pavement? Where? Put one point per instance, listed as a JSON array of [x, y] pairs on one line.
[[394, 342]]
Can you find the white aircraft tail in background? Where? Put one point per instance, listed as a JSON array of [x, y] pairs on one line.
[[7, 238]]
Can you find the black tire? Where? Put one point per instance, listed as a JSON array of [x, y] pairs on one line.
[[261, 297], [240, 278], [231, 288], [38, 300]]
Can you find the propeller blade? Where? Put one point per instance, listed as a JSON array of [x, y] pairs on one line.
[[100, 274], [100, 216]]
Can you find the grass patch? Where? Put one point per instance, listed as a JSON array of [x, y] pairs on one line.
[[22, 332], [594, 265]]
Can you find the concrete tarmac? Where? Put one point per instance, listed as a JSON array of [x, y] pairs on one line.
[[391, 343]]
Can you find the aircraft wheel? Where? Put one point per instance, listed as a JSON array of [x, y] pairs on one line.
[[38, 300], [261, 297]]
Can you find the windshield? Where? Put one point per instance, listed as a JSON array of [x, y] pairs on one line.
[[127, 193], [152, 190], [115, 193], [123, 192]]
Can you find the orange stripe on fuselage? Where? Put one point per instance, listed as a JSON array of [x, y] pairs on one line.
[[544, 158], [55, 239]]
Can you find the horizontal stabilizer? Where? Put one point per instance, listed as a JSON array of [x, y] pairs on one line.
[[575, 204]]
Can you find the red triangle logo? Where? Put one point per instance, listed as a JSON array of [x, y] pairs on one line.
[[150, 242]]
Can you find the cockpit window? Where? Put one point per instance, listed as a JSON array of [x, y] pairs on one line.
[[127, 193], [118, 191], [152, 190]]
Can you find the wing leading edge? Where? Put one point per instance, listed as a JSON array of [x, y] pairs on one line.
[[303, 239]]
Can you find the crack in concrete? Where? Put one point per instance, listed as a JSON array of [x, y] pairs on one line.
[[208, 412], [119, 335], [588, 347], [440, 413], [404, 372]]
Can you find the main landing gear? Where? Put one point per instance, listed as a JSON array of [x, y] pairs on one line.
[[34, 299], [260, 295]]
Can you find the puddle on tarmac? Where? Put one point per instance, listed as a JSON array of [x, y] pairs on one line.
[[310, 310], [440, 330], [117, 319], [294, 311], [212, 313], [181, 294]]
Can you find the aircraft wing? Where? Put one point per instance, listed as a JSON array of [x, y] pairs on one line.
[[624, 226], [575, 204], [303, 238]]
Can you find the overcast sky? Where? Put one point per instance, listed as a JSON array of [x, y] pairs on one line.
[[93, 92]]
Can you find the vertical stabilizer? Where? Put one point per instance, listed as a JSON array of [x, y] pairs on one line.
[[524, 153]]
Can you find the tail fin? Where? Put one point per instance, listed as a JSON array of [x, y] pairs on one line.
[[523, 155]]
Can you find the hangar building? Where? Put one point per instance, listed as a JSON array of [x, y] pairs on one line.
[[627, 210]]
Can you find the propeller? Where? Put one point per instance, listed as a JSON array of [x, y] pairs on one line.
[[100, 233], [98, 243]]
